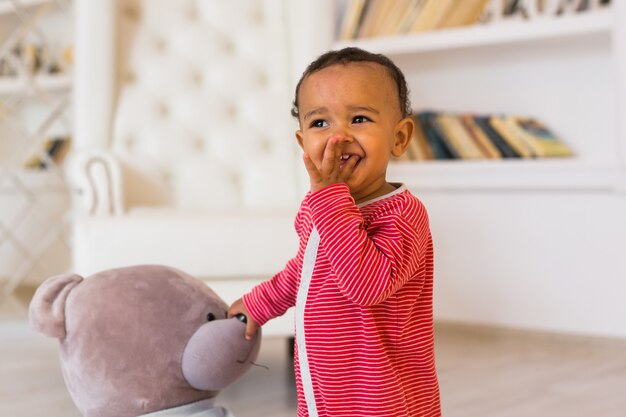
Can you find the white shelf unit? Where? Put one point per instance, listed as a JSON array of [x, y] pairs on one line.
[[562, 70], [36, 181], [33, 108], [536, 244], [503, 32], [505, 175], [6, 6], [42, 83]]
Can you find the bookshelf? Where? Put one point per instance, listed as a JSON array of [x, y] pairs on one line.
[[34, 181], [500, 33], [525, 243], [561, 69], [10, 86], [35, 108], [6, 6]]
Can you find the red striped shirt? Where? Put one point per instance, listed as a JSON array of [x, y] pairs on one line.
[[368, 316]]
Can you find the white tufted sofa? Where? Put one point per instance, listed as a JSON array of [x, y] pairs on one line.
[[184, 148]]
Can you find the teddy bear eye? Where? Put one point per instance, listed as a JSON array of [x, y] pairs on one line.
[[210, 317]]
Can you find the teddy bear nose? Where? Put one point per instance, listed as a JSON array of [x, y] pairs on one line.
[[241, 317]]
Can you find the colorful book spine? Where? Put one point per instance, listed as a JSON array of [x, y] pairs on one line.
[[437, 144], [494, 137], [443, 135]]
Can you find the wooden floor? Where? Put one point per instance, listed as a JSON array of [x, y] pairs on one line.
[[483, 372]]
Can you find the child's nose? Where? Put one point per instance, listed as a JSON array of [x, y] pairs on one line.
[[341, 136]]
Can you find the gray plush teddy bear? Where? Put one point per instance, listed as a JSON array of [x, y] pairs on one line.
[[145, 340]]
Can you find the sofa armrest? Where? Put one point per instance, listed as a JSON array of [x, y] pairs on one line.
[[97, 175]]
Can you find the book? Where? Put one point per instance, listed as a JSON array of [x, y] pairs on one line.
[[414, 10], [435, 141], [494, 137], [371, 14], [392, 23], [352, 19], [511, 136], [464, 13], [384, 15], [542, 141], [457, 137], [443, 137], [489, 150], [440, 135], [432, 15], [511, 7], [53, 152]]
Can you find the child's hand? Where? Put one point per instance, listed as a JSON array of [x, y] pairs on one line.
[[238, 307], [333, 169]]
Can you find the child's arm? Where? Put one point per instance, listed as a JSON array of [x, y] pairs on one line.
[[370, 265], [273, 297], [267, 300]]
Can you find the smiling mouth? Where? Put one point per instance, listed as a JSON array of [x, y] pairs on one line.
[[345, 157]]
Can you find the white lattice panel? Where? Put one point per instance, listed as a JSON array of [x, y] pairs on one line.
[[35, 133]]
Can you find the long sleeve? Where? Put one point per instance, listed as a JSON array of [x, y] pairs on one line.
[[370, 265], [273, 297]]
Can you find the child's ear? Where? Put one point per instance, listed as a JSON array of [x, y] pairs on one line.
[[300, 138], [402, 137]]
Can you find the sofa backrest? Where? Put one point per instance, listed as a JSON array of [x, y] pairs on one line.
[[201, 106]]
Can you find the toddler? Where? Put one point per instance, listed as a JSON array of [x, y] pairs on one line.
[[362, 280]]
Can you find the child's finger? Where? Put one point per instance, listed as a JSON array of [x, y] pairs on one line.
[[348, 167], [314, 173], [251, 329], [236, 308], [332, 155]]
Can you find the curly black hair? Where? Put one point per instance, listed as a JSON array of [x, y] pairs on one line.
[[351, 54]]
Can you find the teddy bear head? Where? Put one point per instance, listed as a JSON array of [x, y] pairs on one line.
[[141, 339]]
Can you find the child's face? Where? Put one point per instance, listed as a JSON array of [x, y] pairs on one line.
[[357, 106]]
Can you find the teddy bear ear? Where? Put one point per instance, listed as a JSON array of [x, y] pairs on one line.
[[46, 312]]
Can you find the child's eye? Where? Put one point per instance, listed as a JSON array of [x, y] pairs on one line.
[[319, 123], [361, 119]]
